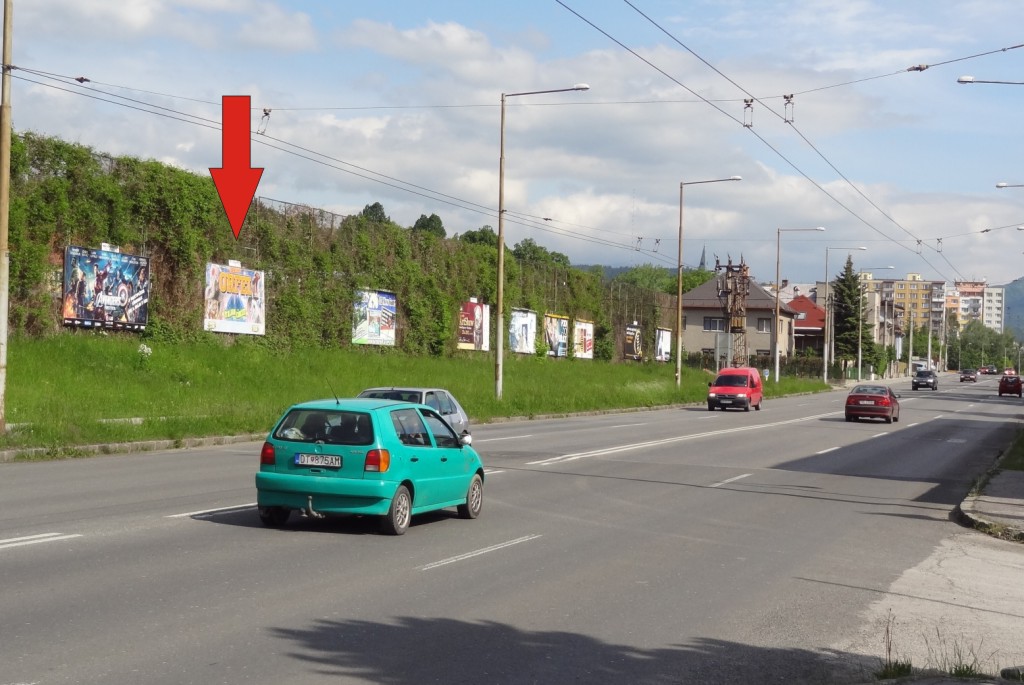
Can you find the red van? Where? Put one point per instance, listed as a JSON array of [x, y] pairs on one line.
[[738, 387]]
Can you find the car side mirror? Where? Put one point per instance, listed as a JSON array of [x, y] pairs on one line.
[[465, 438], [709, 384]]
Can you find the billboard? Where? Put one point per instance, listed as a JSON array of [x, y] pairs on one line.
[[373, 318], [663, 345], [474, 327], [583, 339], [556, 335], [633, 347], [105, 289], [234, 300], [522, 332]]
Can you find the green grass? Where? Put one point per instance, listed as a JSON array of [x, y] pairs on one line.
[[62, 390], [1014, 458]]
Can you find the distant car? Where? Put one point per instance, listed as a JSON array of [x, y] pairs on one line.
[[989, 370], [366, 457], [439, 399], [970, 375], [925, 378], [1011, 385], [1009, 372], [872, 402], [738, 387]]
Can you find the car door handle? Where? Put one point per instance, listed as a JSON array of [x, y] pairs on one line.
[[414, 458], [444, 458]]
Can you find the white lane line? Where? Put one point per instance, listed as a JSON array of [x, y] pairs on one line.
[[911, 425], [511, 437], [879, 435], [731, 480], [956, 441], [667, 441], [485, 550], [492, 471], [628, 425], [212, 512], [939, 416], [830, 449], [35, 539]]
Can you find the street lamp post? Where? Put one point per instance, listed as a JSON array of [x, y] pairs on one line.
[[499, 342], [679, 276], [1010, 185], [824, 350], [778, 290]]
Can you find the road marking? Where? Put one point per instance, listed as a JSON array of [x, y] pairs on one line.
[[492, 471], [956, 440], [212, 512], [511, 437], [731, 480], [879, 435], [830, 449], [667, 441], [937, 417], [35, 539], [627, 425], [485, 550]]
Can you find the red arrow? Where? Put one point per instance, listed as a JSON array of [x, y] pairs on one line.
[[236, 180]]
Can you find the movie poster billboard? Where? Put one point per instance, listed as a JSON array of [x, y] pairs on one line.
[[583, 339], [374, 317], [474, 327], [556, 335], [234, 299], [105, 289], [522, 332], [663, 345], [633, 347]]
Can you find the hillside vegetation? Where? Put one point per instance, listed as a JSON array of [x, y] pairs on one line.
[[66, 194]]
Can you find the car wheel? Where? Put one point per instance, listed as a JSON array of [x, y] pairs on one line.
[[474, 499], [888, 419], [711, 407], [396, 521], [849, 419], [758, 406], [274, 517], [747, 408]]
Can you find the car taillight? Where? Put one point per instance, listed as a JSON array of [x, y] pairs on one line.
[[850, 400], [377, 460], [884, 402], [267, 455]]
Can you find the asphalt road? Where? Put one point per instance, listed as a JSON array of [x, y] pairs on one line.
[[667, 546]]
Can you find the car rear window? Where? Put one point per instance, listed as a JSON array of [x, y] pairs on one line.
[[330, 427], [397, 395]]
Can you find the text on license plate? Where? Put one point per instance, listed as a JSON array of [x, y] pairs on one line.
[[867, 401], [331, 460]]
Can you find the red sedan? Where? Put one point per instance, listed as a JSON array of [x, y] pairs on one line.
[[872, 402]]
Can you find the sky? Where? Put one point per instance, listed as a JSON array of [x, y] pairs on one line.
[[399, 102]]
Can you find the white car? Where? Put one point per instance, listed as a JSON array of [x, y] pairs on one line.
[[438, 399]]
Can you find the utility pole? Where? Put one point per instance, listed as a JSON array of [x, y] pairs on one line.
[[5, 205]]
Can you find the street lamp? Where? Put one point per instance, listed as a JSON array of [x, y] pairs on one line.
[[971, 79], [860, 314], [498, 371], [778, 289], [824, 350], [679, 276], [1010, 185]]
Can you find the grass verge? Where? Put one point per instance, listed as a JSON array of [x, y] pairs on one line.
[[87, 388]]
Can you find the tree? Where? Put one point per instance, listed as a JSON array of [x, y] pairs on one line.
[[432, 225], [375, 213], [848, 308], [484, 235]]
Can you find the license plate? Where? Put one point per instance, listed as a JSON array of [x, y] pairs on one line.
[[329, 460], [867, 402], [725, 401]]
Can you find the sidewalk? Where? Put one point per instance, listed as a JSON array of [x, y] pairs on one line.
[[999, 511]]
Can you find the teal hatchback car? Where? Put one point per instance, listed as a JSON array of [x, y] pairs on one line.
[[367, 457]]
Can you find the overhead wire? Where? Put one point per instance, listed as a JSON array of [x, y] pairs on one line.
[[801, 135]]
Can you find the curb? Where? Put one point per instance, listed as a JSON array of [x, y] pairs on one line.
[[72, 451]]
